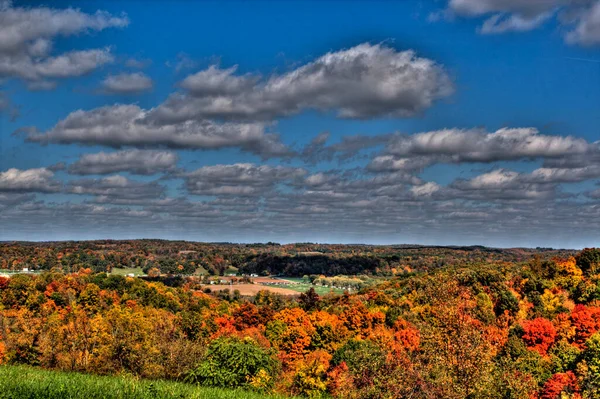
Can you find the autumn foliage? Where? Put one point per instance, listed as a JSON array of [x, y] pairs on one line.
[[510, 330], [539, 334]]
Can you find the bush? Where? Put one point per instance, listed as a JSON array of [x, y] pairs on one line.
[[233, 362]]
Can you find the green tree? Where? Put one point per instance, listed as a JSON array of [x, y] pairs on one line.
[[233, 362]]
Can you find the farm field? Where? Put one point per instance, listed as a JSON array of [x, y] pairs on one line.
[[22, 382], [303, 287], [136, 271], [252, 289]]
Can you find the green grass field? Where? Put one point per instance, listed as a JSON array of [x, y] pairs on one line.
[[137, 271], [303, 287], [21, 382]]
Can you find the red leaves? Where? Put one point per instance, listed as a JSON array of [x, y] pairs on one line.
[[539, 334], [561, 383], [340, 380], [586, 320], [407, 335]]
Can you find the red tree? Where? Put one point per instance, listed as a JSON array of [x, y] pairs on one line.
[[539, 334], [560, 383]]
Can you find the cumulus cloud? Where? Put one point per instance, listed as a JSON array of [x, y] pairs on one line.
[[26, 42], [239, 179], [29, 180], [116, 187], [580, 19], [542, 183], [74, 63], [500, 184], [413, 152], [365, 81], [586, 29], [565, 175], [140, 162], [425, 190], [127, 125], [126, 83], [506, 15], [521, 7]]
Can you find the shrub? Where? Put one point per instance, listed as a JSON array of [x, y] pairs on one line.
[[234, 362]]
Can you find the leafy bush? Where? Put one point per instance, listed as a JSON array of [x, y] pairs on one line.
[[233, 362]]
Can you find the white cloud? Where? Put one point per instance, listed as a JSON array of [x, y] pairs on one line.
[[141, 162], [127, 125], [126, 83], [116, 187], [365, 81], [26, 42], [425, 190], [29, 180], [414, 152], [587, 27], [239, 179], [579, 19]]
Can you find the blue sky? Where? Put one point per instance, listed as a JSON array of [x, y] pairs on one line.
[[517, 85]]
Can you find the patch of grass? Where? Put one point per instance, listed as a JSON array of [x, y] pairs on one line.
[[303, 287], [22, 382], [294, 279], [318, 289], [137, 271]]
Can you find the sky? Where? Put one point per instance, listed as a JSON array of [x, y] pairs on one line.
[[442, 122]]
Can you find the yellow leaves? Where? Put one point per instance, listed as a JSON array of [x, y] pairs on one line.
[[524, 307], [552, 300], [262, 381], [564, 327], [569, 275], [569, 267], [310, 375]]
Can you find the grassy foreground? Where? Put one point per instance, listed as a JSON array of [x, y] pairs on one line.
[[18, 382]]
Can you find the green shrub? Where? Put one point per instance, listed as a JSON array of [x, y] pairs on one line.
[[232, 363]]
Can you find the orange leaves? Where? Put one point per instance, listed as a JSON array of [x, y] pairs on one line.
[[358, 318], [295, 318], [340, 380], [586, 320], [539, 334], [2, 352], [568, 267], [559, 384], [246, 316], [225, 326], [407, 335]]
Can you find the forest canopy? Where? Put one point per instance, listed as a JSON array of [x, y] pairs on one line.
[[484, 327]]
